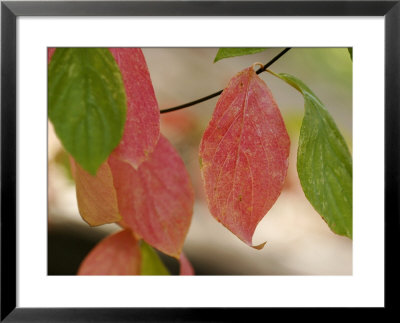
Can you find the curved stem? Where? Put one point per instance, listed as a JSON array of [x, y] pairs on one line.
[[213, 95]]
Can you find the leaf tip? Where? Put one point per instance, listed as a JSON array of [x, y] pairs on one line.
[[350, 50], [91, 170], [260, 246], [186, 268], [93, 223]]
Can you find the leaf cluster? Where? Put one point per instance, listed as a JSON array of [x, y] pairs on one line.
[[103, 107]]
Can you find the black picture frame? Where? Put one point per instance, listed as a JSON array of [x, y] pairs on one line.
[[10, 10]]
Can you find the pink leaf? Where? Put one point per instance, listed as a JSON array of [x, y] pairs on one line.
[[186, 268], [142, 127], [156, 200], [97, 198], [244, 155], [118, 254], [50, 52]]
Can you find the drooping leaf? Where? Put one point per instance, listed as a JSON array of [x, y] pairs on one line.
[[151, 263], [142, 127], [117, 254], [186, 268], [350, 49], [233, 52], [86, 103], [156, 200], [96, 195], [324, 163], [244, 155]]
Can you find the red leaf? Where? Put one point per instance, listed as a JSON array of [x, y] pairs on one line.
[[97, 198], [186, 268], [156, 200], [142, 127], [244, 155], [118, 254], [50, 52]]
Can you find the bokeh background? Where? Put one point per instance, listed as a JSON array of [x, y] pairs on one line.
[[298, 241]]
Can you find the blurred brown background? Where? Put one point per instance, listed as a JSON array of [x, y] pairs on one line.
[[298, 240]]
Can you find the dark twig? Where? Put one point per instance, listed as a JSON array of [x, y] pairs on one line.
[[213, 95]]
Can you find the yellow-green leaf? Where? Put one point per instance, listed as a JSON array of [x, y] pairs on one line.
[[151, 263], [324, 163], [87, 103], [232, 52]]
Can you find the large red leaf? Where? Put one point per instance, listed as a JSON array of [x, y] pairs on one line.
[[118, 254], [142, 127], [244, 155], [156, 200], [96, 196]]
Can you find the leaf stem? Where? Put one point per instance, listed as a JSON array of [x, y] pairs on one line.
[[293, 85], [213, 95]]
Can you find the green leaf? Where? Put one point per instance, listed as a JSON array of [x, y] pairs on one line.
[[87, 103], [350, 49], [151, 263], [232, 52], [324, 163]]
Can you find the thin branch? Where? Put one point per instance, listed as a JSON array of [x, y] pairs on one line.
[[213, 95]]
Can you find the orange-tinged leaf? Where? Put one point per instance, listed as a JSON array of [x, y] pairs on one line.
[[186, 268], [118, 254], [142, 126], [244, 155], [97, 198], [72, 164], [156, 200]]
